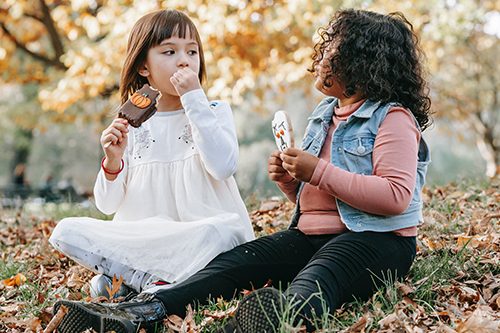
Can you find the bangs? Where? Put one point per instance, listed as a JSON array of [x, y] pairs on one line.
[[171, 24]]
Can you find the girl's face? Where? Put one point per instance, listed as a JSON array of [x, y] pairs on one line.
[[168, 57], [322, 71]]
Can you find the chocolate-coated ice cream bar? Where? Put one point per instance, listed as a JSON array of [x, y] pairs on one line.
[[140, 106]]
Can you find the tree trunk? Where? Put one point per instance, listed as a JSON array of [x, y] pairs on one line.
[[22, 149], [486, 145]]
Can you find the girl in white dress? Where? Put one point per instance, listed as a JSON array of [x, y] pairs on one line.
[[170, 181]]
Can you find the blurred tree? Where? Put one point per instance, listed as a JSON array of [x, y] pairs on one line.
[[463, 52], [74, 49], [461, 42]]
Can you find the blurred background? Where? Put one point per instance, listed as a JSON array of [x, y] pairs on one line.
[[60, 62]]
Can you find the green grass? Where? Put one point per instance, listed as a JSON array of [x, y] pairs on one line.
[[434, 271], [33, 295], [36, 297], [9, 268]]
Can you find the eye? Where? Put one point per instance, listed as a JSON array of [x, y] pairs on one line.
[[169, 52], [192, 52]]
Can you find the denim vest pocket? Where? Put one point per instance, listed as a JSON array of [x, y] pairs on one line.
[[358, 154]]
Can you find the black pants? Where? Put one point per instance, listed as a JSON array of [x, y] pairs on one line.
[[344, 266]]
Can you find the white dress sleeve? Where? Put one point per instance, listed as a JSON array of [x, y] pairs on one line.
[[213, 132], [109, 194]]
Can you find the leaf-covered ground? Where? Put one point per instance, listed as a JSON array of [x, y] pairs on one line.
[[454, 284]]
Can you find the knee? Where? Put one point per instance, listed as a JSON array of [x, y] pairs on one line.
[[66, 238], [59, 233]]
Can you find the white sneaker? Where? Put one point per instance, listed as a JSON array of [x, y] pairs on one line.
[[99, 283]]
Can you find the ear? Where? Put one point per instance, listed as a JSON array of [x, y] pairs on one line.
[[143, 71]]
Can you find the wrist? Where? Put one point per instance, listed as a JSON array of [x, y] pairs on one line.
[[190, 89], [111, 160], [286, 179], [318, 172], [112, 167]]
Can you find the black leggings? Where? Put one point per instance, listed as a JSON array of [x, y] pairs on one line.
[[346, 266]]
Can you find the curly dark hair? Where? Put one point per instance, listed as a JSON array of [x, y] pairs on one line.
[[377, 56]]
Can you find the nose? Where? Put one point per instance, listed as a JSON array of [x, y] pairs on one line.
[[183, 60]]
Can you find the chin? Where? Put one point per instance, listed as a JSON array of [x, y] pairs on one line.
[[170, 91]]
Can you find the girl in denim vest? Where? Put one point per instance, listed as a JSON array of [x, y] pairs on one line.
[[356, 180]]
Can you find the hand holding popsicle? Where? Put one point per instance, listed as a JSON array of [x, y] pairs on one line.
[[114, 139], [282, 130]]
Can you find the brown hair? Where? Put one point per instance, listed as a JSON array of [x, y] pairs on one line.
[[149, 31]]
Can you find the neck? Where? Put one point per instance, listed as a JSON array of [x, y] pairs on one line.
[[169, 103], [343, 101]]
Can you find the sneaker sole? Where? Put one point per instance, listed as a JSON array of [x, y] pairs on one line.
[[80, 318], [258, 312]]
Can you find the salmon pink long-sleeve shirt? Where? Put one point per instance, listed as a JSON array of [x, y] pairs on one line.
[[388, 191]]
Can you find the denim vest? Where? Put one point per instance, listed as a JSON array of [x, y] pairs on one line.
[[351, 150]]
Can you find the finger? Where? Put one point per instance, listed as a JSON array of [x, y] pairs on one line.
[[109, 139], [178, 75], [276, 169], [188, 71], [276, 154], [115, 132], [112, 137], [287, 158], [173, 80], [124, 139], [119, 120], [120, 127], [274, 160], [289, 167], [292, 151], [274, 177]]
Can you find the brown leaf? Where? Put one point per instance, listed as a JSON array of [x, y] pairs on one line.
[[35, 324], [358, 326], [480, 321], [467, 294], [469, 241], [387, 320], [174, 322], [445, 329], [404, 289], [11, 308], [17, 280], [433, 245], [220, 314], [115, 286]]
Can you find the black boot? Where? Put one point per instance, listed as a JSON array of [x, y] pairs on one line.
[[142, 311], [258, 312]]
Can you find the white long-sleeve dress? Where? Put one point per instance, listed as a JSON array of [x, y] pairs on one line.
[[176, 203]]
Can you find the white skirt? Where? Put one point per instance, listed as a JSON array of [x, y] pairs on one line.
[[148, 249]]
